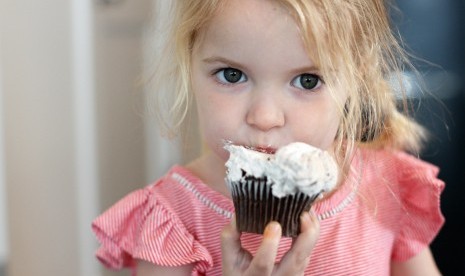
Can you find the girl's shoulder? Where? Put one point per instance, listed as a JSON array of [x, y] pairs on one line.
[[405, 174], [411, 190], [158, 223], [400, 164]]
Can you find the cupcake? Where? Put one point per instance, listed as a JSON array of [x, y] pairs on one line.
[[277, 187]]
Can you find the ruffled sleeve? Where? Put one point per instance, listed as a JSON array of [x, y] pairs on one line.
[[140, 227], [421, 218]]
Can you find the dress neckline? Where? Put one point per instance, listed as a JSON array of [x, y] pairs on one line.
[[223, 205], [345, 194]]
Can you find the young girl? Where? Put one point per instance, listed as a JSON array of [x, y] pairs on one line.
[[265, 73]]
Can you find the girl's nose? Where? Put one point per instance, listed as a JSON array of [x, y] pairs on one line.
[[265, 113]]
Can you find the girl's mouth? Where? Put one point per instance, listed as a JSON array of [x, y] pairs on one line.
[[267, 150], [263, 149]]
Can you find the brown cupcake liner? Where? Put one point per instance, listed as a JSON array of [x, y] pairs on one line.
[[256, 206]]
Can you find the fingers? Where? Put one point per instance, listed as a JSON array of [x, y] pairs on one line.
[[264, 261], [237, 261], [230, 237], [234, 258], [297, 258]]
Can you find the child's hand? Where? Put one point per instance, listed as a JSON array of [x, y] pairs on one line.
[[237, 261]]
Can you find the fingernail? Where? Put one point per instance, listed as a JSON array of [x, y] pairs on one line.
[[272, 230]]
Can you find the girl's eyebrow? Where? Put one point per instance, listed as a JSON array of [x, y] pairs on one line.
[[305, 69], [297, 70], [215, 59]]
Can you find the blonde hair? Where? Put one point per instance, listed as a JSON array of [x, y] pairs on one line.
[[350, 41]]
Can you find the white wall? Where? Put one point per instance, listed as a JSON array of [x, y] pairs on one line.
[[74, 143], [85, 135], [72, 139], [39, 144], [3, 203]]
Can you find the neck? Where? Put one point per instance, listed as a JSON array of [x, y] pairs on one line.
[[211, 171]]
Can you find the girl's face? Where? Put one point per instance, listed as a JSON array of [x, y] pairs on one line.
[[255, 85]]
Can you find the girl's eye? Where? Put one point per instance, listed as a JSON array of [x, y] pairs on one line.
[[230, 75], [307, 81]]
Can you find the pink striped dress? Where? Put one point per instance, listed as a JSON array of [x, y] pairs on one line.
[[388, 209]]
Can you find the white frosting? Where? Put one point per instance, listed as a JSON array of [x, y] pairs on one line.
[[252, 162], [295, 167], [301, 167]]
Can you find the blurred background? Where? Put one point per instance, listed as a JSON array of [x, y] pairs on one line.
[[72, 137], [73, 140], [433, 31]]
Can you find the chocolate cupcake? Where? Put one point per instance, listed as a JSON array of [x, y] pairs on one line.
[[277, 187]]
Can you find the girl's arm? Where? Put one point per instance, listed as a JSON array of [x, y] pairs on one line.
[[148, 269], [421, 264]]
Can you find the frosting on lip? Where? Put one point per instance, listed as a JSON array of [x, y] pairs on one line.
[[297, 167]]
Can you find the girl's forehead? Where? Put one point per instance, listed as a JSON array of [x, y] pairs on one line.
[[250, 14], [293, 27], [246, 30], [263, 16], [249, 19]]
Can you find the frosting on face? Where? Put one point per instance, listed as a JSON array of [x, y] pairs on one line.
[[297, 167]]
